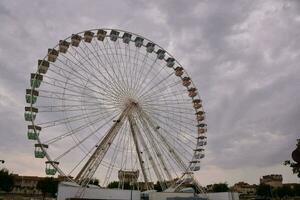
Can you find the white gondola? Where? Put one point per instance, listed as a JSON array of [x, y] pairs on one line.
[[52, 55], [63, 46], [138, 41], [88, 36], [201, 143], [199, 156], [43, 66], [186, 81], [195, 168], [192, 92], [38, 150], [50, 169], [75, 40], [33, 132], [114, 35], [150, 47], [30, 113], [170, 62], [126, 38], [101, 34], [178, 71], [160, 54], [31, 96], [36, 80]]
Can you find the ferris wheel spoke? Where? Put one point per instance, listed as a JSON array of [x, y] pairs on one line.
[[140, 74], [110, 64], [114, 156], [162, 148], [72, 118], [158, 90], [83, 140], [178, 122], [117, 61], [151, 138], [95, 160], [76, 85], [115, 86], [135, 134], [147, 75], [176, 113], [78, 128], [155, 85], [171, 149], [86, 70], [124, 64], [175, 130], [100, 63]]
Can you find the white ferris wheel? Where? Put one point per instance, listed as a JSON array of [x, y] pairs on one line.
[[113, 105]]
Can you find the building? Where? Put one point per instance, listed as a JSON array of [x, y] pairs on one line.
[[274, 180], [244, 188]]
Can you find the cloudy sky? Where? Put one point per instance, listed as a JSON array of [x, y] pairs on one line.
[[243, 56]]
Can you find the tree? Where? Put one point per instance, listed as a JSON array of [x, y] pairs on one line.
[[264, 190], [48, 186], [6, 180], [220, 187]]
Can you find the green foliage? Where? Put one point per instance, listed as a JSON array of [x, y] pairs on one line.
[[220, 187], [48, 186], [6, 180], [264, 190]]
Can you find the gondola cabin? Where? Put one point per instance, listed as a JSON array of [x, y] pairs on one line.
[[88, 36], [197, 103], [186, 81], [30, 113], [170, 62], [36, 80], [43, 66], [114, 35], [101, 34], [201, 143], [202, 130], [51, 167], [138, 41], [199, 155], [52, 55], [75, 40], [160, 54], [178, 71], [63, 46], [39, 150], [31, 96], [33, 132], [192, 92], [150, 47], [126, 38]]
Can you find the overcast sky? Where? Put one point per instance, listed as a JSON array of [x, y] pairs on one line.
[[243, 57]]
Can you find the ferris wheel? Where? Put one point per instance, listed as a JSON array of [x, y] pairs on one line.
[[113, 105]]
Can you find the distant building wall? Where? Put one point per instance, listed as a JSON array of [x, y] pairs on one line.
[[274, 180]]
